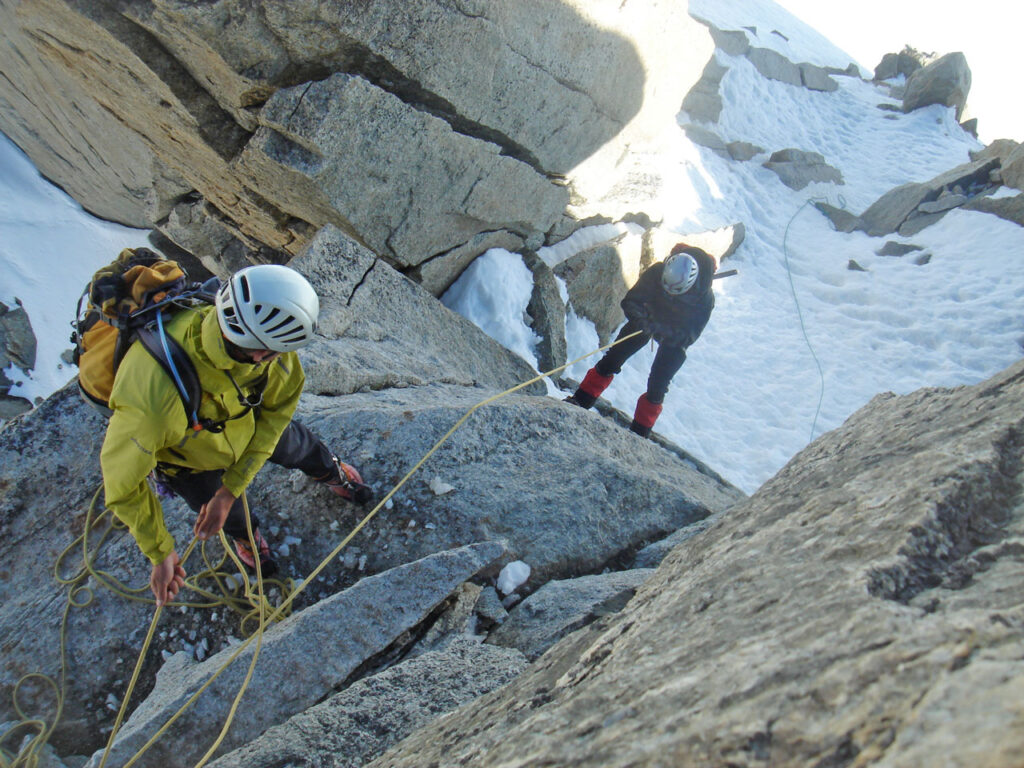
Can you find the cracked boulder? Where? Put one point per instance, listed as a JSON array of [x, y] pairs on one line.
[[423, 188], [379, 329], [863, 607]]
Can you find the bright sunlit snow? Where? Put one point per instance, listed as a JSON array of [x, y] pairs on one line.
[[49, 248], [797, 342]]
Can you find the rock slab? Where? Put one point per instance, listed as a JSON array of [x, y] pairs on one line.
[[863, 608], [300, 661], [354, 726]]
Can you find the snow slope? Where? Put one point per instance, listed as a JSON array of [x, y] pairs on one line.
[[797, 341]]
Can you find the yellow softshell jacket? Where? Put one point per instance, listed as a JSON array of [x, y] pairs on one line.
[[149, 424]]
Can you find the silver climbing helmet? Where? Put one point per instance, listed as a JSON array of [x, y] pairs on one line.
[[680, 273], [268, 306]]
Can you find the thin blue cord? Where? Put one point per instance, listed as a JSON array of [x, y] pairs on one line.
[[174, 369], [800, 314]]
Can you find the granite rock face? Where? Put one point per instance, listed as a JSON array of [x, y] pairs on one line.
[[391, 372], [300, 661], [425, 130], [354, 726], [862, 608]]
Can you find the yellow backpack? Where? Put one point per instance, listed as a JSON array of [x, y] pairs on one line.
[[132, 298]]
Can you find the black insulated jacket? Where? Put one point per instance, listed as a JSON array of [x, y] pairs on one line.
[[675, 321]]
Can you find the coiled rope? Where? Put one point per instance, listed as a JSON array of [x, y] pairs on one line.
[[265, 613]]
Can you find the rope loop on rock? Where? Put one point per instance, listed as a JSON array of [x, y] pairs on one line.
[[258, 608]]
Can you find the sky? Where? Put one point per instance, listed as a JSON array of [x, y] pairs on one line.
[[797, 342], [987, 32]]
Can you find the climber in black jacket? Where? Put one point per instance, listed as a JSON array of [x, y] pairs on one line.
[[670, 303]]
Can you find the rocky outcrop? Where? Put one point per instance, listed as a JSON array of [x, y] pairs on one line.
[[17, 348], [561, 607], [524, 470], [352, 727], [842, 220], [946, 81], [909, 208], [547, 312], [424, 188], [378, 329], [912, 207], [904, 63], [1009, 208], [863, 607], [597, 279], [816, 78], [544, 478], [704, 102], [1012, 170], [797, 168], [240, 129]]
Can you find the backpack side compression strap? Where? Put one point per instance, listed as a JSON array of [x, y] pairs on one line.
[[178, 367]]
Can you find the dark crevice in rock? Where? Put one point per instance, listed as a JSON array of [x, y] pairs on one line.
[[359, 285], [843, 755], [408, 270], [295, 155], [357, 59], [949, 549], [298, 102], [396, 651], [256, 252], [216, 126]]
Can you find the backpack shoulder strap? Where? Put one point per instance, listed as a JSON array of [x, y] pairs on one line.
[[175, 361]]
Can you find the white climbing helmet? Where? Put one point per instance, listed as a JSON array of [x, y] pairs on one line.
[[268, 306], [680, 273]]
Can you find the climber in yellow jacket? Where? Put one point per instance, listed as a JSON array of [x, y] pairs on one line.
[[243, 350]]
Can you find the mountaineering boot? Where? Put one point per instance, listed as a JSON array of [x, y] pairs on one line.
[[645, 415], [347, 483], [590, 389], [268, 566]]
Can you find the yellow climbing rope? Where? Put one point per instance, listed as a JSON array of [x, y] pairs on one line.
[[250, 605]]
